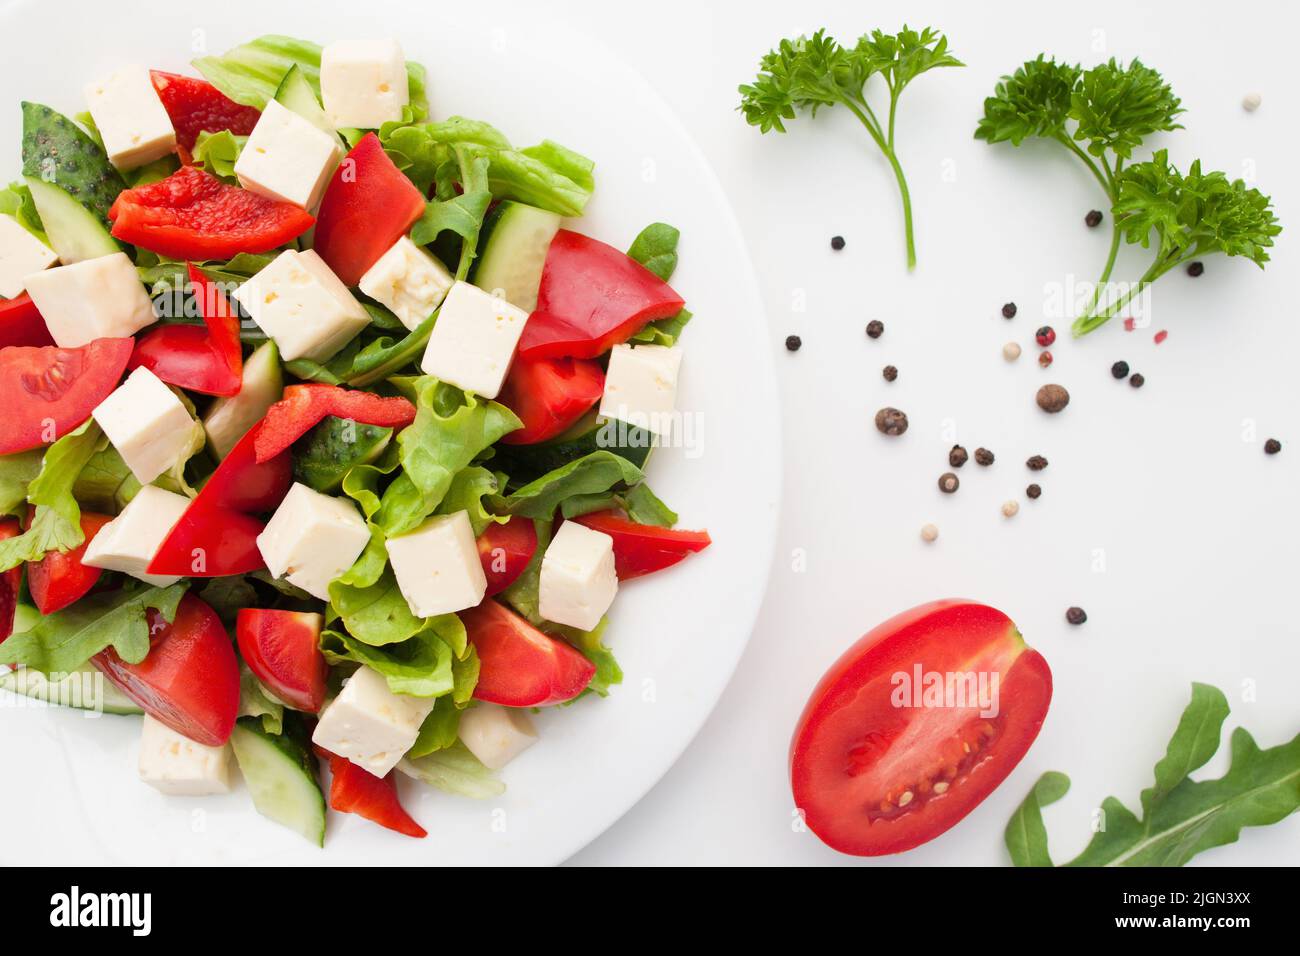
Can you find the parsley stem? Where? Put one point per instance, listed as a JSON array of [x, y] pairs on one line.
[[868, 119], [1110, 265], [1073, 147]]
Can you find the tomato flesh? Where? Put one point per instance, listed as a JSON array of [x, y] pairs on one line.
[[21, 323], [549, 395], [915, 725], [642, 548], [196, 106], [207, 360], [59, 578], [282, 650], [10, 582], [519, 665], [505, 551]]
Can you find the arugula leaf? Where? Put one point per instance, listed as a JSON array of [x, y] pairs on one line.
[[454, 770], [461, 214], [1025, 835], [591, 474]]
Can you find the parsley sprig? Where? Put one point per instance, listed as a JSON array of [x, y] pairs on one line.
[[809, 73]]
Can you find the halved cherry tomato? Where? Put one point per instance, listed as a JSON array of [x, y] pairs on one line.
[[190, 678], [879, 763], [505, 551], [368, 205], [519, 666], [356, 790], [60, 578], [10, 582], [282, 650], [592, 297], [304, 406], [208, 360], [197, 106], [47, 392], [549, 395], [642, 548], [194, 215], [21, 323]]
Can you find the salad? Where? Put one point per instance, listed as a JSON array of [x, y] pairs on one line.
[[325, 436]]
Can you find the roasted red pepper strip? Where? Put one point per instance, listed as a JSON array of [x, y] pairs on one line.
[[304, 406], [642, 548], [354, 790], [21, 323], [208, 360], [196, 106], [10, 582]]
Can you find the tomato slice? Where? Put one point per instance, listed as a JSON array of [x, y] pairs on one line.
[[21, 323], [519, 666], [305, 406], [203, 360], [10, 582], [505, 551], [60, 578], [282, 650], [47, 392], [642, 548], [190, 678], [368, 205], [197, 106], [915, 725], [356, 790], [210, 542], [242, 483], [592, 297], [194, 215], [549, 395]]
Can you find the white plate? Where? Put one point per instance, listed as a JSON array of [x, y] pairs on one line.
[[678, 635]]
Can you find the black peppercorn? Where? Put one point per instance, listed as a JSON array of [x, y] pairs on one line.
[[948, 482], [1033, 491], [983, 457], [1195, 269], [875, 329], [1119, 370], [957, 456], [1036, 463], [837, 243], [1272, 446], [792, 342], [1136, 380], [1009, 310], [1093, 219], [1076, 616], [890, 373]]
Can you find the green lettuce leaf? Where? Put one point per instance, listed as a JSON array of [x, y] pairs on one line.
[[591, 474], [16, 201], [454, 770], [420, 666], [16, 473], [438, 732], [218, 152], [256, 701], [466, 493], [462, 213], [106, 484]]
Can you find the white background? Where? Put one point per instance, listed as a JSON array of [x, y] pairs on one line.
[[1195, 527]]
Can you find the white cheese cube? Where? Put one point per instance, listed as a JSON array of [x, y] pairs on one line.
[[363, 83], [287, 159], [21, 254], [409, 281], [303, 306], [312, 538], [93, 299], [370, 725], [473, 340], [437, 566], [129, 542], [149, 426], [496, 734], [175, 765], [578, 580], [131, 119], [641, 386]]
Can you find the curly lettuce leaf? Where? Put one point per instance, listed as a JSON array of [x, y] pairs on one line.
[[454, 770], [422, 665], [591, 474]]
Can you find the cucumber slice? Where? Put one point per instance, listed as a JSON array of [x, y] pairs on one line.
[[295, 93], [72, 690], [57, 150], [229, 418], [325, 455], [75, 233], [280, 771], [512, 251]]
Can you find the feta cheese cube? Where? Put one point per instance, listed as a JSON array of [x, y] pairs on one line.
[[437, 565], [578, 580], [93, 299], [473, 340], [496, 734], [129, 542], [177, 766], [287, 159], [363, 83], [21, 254], [303, 306], [370, 725], [131, 119], [641, 386], [409, 281], [149, 426], [312, 538]]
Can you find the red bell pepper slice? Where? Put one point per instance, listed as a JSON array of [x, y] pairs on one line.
[[505, 551], [549, 395], [21, 323], [642, 548], [242, 483], [197, 106], [368, 205], [194, 215], [10, 582], [304, 406], [354, 790], [59, 578], [208, 360], [591, 298]]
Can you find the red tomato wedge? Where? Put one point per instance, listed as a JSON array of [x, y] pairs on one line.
[[47, 392], [304, 406], [282, 650], [210, 542], [196, 106], [642, 548], [190, 678], [59, 578], [505, 551], [21, 323], [592, 297], [208, 360], [194, 215], [549, 395], [368, 205], [354, 790], [915, 725], [10, 582], [519, 666]]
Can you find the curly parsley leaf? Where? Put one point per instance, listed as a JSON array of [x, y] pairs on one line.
[[1033, 101], [1116, 107]]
